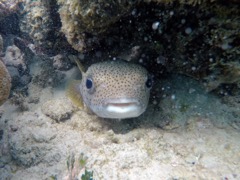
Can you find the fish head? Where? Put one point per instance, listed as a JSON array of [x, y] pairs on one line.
[[116, 89]]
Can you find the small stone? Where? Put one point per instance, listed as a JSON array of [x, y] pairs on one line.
[[59, 110], [13, 128], [41, 135]]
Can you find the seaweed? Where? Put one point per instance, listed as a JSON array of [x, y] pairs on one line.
[[77, 165]]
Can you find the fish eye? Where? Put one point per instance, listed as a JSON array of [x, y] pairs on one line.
[[149, 82], [89, 83]]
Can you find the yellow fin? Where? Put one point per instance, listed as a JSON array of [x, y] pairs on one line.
[[79, 64], [73, 93]]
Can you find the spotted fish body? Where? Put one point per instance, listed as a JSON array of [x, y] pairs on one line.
[[115, 89]]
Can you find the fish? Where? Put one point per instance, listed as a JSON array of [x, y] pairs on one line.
[[112, 89]]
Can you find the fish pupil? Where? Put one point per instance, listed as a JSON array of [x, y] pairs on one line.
[[89, 83]]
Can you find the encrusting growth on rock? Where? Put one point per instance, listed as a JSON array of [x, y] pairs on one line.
[[5, 83]]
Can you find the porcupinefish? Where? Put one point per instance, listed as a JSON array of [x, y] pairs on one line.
[[114, 89]]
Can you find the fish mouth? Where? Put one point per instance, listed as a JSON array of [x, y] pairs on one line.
[[121, 103], [123, 108]]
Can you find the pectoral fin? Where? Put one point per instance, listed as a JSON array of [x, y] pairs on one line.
[[73, 93]]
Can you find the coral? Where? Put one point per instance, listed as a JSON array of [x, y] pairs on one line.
[[83, 23], [17, 66], [189, 36], [81, 18], [7, 7], [14, 57], [19, 99], [37, 21], [60, 62], [5, 83]]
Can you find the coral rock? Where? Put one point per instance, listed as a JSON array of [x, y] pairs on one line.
[[58, 110], [60, 62], [36, 21], [17, 67], [14, 57], [80, 17], [5, 83], [7, 7]]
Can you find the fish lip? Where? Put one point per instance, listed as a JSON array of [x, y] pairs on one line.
[[122, 102], [121, 108]]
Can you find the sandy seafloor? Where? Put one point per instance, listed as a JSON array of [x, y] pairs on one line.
[[187, 133]]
